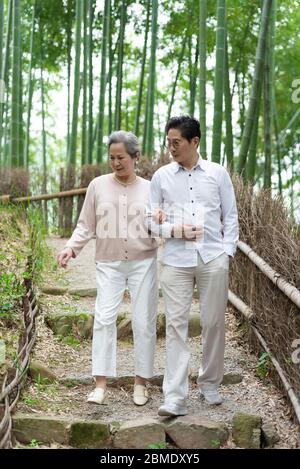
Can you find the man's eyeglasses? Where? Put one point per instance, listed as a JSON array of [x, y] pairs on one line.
[[173, 143]]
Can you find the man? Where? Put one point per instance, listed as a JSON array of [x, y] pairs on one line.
[[201, 231]]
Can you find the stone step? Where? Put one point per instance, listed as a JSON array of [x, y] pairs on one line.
[[127, 381], [66, 431], [188, 432], [71, 324], [81, 325], [82, 292]]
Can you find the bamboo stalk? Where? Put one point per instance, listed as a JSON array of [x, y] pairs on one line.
[[180, 60], [33, 198], [84, 86], [16, 90], [149, 147], [228, 112], [257, 77], [202, 76], [219, 81], [1, 33], [119, 86], [89, 149], [252, 157], [100, 130], [287, 288], [240, 305], [5, 198], [76, 90], [5, 77], [142, 75], [289, 126], [267, 114], [30, 88]]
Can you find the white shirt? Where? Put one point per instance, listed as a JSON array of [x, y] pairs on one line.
[[202, 196]]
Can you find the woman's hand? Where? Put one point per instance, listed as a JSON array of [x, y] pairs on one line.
[[64, 256], [159, 216]]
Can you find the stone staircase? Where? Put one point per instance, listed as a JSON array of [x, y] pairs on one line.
[[53, 412]]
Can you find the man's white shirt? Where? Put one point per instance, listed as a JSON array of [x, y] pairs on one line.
[[202, 196]]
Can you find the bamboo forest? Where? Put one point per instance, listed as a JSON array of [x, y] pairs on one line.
[[149, 227], [74, 71]]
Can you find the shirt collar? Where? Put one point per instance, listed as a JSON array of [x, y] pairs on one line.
[[199, 165]]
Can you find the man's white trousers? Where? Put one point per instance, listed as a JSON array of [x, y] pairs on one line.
[[178, 287]]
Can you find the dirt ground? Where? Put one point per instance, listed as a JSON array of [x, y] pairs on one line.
[[253, 395]]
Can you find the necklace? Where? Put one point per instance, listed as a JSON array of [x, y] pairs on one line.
[[124, 183]]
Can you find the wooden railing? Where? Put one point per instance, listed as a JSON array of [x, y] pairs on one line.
[[35, 198]]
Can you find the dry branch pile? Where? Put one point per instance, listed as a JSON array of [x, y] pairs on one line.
[[266, 227]]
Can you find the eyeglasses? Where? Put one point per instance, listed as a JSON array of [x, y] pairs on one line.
[[173, 143]]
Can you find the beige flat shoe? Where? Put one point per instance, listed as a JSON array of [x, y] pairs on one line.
[[140, 394], [98, 396]]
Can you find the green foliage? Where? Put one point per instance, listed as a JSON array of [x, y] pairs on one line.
[[34, 443], [70, 340], [41, 382], [161, 445], [52, 20], [41, 257], [55, 21], [215, 443], [263, 365], [31, 401], [11, 291]]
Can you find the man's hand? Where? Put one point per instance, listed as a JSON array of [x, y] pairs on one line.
[[188, 232], [64, 256]]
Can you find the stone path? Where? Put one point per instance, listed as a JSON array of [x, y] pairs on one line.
[[56, 413], [81, 270]]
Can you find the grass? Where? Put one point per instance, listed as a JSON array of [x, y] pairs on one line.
[[42, 383], [41, 259], [31, 401], [48, 398], [68, 308], [11, 291], [13, 258], [215, 443], [160, 445], [34, 443], [70, 340]]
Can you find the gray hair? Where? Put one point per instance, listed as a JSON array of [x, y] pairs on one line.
[[130, 141]]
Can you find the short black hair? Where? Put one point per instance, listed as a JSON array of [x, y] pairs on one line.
[[188, 126]]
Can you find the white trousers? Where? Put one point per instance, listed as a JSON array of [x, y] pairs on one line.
[[112, 278], [178, 285]]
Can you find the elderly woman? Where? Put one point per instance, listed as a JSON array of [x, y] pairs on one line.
[[113, 211]]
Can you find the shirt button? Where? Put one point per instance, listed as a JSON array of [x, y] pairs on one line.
[[192, 201], [125, 239], [191, 188], [190, 175], [193, 214]]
